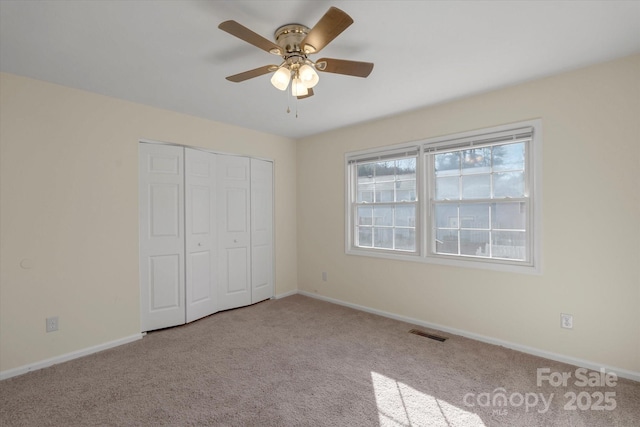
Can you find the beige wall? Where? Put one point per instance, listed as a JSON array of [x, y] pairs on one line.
[[591, 221], [69, 204]]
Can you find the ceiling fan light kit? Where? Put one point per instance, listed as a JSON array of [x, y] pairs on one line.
[[297, 88], [280, 79], [294, 43], [308, 76]]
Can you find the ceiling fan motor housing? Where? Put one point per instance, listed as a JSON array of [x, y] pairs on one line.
[[289, 37]]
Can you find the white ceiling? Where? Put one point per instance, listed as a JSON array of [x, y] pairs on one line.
[[170, 53]]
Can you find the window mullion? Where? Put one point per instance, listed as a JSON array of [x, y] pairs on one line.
[[491, 229]]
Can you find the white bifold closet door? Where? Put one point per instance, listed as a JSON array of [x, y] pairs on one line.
[[235, 231], [206, 233], [261, 230], [162, 278], [200, 233], [245, 215]]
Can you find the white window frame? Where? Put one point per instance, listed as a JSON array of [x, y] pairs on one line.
[[352, 205], [424, 190]]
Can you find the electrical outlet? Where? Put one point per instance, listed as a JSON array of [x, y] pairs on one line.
[[52, 324], [566, 321], [324, 276]]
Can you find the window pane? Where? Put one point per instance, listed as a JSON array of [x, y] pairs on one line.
[[508, 184], [405, 239], [406, 216], [406, 169], [446, 216], [406, 191], [383, 238], [365, 197], [509, 216], [476, 160], [447, 242], [384, 191], [405, 196], [508, 157], [365, 172], [474, 243], [383, 215], [448, 188], [365, 193], [364, 236], [365, 186], [509, 244], [385, 171], [474, 216], [365, 215], [476, 186], [447, 163]]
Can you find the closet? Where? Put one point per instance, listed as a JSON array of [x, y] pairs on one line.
[[206, 233]]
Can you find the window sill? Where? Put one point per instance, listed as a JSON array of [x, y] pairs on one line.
[[440, 260]]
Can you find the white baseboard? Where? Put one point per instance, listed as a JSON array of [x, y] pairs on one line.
[[66, 357], [623, 373], [286, 294]]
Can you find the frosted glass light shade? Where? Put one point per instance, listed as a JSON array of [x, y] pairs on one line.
[[297, 88], [280, 79], [308, 76]]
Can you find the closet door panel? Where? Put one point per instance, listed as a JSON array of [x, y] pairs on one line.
[[161, 225], [236, 271], [201, 278], [164, 210], [261, 230], [201, 234], [236, 212], [234, 235], [164, 282]]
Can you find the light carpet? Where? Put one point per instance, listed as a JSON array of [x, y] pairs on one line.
[[299, 361]]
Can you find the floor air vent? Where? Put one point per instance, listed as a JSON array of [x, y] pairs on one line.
[[427, 335]]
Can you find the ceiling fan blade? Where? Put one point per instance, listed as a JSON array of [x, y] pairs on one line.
[[328, 28], [342, 66], [237, 78], [243, 33], [309, 93]]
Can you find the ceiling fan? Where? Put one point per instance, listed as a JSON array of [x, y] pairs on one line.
[[294, 43]]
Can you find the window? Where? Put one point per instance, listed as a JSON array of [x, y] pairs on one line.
[[470, 199], [479, 201], [384, 202]]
